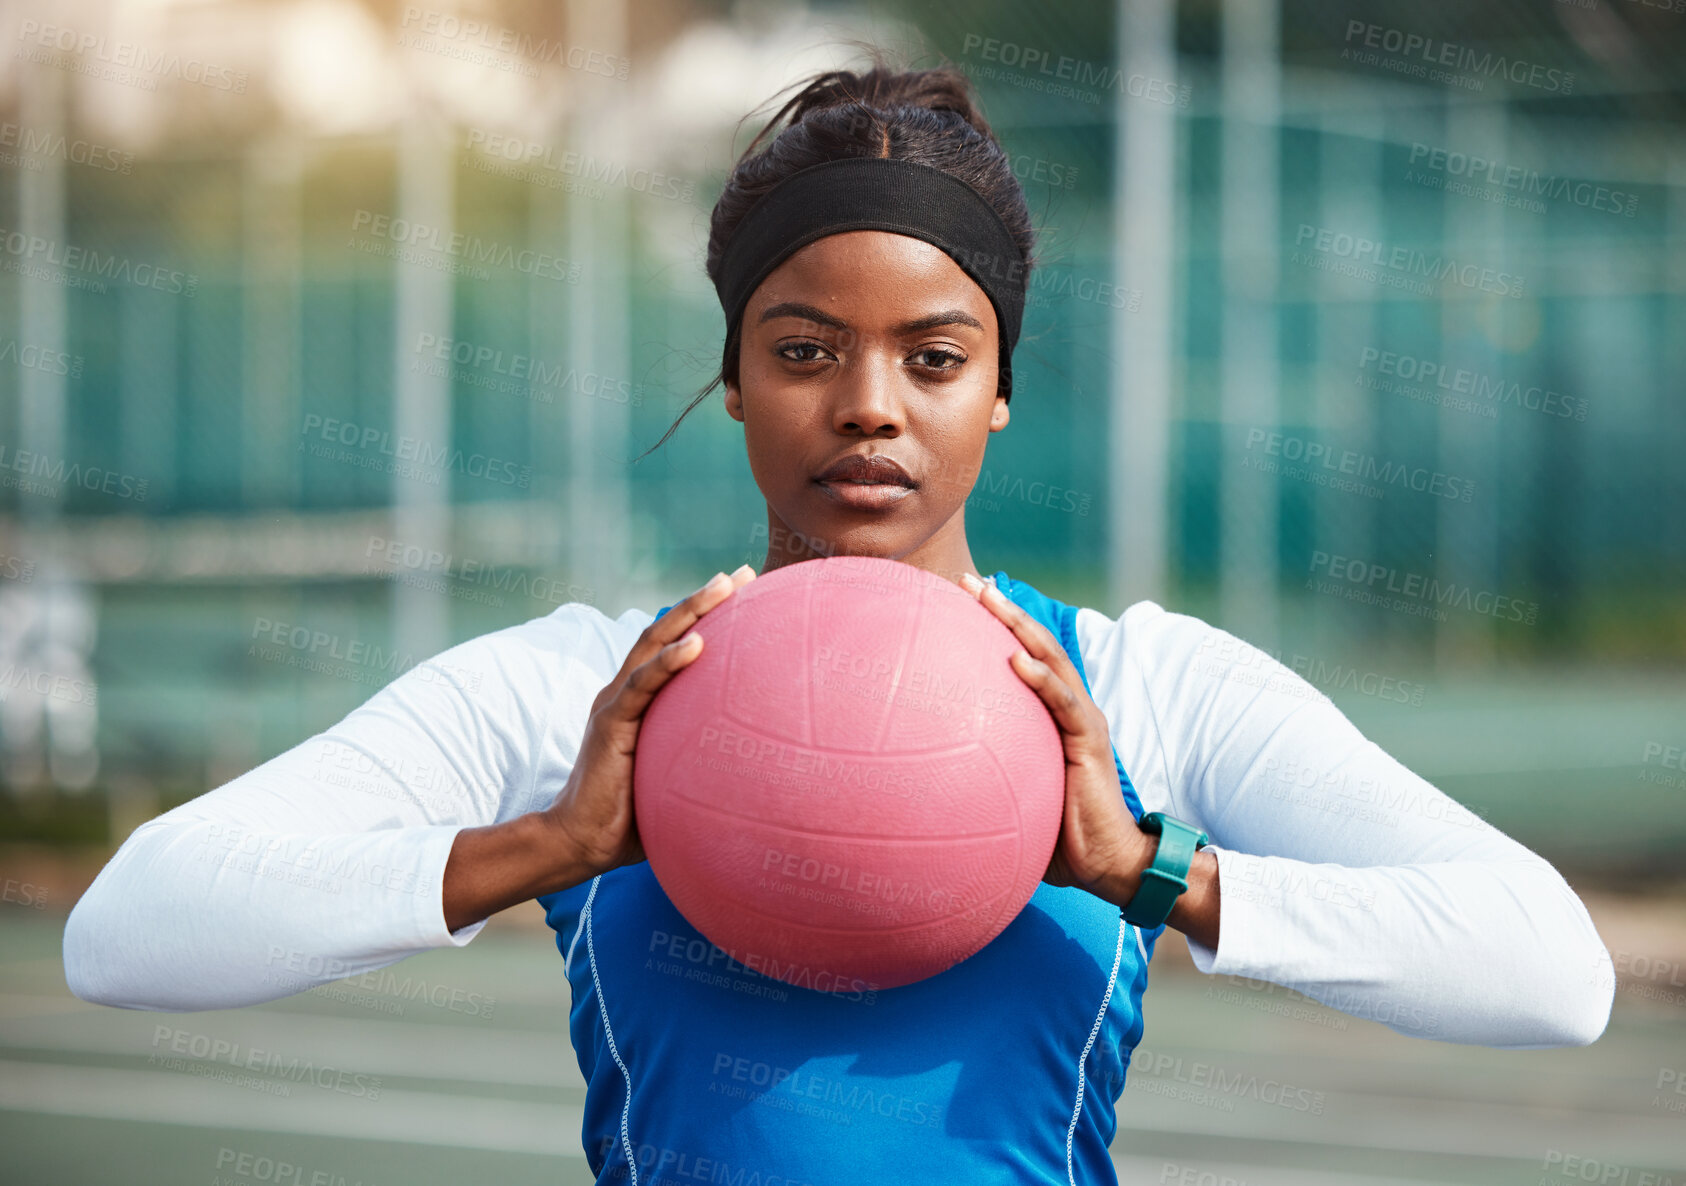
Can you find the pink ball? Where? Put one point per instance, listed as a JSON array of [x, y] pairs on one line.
[[850, 787]]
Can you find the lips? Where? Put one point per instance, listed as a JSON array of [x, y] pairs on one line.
[[867, 469], [865, 482]]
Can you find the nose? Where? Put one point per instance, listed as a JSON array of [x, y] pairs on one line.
[[866, 398]]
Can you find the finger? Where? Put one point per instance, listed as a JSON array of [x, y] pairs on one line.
[[1036, 637], [674, 624], [1032, 635], [669, 628], [677, 621], [640, 688], [1066, 706]]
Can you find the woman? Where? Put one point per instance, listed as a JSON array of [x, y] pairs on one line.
[[871, 257]]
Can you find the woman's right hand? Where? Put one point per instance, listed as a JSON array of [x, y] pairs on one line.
[[591, 827], [595, 808]]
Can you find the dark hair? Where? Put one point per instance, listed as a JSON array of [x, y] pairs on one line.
[[930, 117]]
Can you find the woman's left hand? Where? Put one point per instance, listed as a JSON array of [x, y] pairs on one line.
[[1100, 848]]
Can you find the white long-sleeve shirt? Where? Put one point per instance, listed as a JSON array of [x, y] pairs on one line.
[[1342, 874]]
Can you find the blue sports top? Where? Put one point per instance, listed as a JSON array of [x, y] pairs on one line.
[[1006, 1068]]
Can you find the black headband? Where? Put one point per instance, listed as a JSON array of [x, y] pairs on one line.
[[879, 194]]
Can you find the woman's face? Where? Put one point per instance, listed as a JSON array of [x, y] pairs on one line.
[[868, 344]]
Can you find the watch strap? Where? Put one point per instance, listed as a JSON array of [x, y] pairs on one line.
[[1166, 878]]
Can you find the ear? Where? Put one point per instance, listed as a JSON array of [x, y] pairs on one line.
[[734, 401], [1000, 415]]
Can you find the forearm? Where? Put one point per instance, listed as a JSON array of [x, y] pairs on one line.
[[502, 865], [1493, 952], [200, 914], [1197, 910]]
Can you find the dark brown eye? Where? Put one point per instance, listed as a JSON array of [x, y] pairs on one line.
[[939, 360], [818, 351]]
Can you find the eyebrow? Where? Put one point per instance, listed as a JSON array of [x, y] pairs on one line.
[[821, 317]]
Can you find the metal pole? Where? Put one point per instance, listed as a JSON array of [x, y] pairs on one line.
[[422, 401], [1350, 196], [1144, 221], [1248, 594], [1467, 534], [599, 497], [273, 263]]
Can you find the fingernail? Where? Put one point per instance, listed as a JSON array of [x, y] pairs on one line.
[[718, 581], [969, 582], [742, 570]]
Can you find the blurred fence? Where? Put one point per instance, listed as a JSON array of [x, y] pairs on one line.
[[329, 332]]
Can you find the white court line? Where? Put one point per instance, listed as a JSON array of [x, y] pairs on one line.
[[476, 1051], [413, 1117], [1401, 1124], [17, 1004], [1154, 1169]]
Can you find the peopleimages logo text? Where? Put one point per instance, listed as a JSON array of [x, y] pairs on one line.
[[545, 159], [44, 142], [404, 448], [1434, 52], [1382, 579], [128, 55], [1462, 381], [1407, 260], [461, 245], [56, 472], [1366, 466], [70, 258], [449, 27], [1030, 60], [1527, 182]]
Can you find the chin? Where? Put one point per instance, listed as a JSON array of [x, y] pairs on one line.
[[842, 534]]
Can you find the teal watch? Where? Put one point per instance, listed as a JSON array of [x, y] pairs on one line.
[[1167, 877]]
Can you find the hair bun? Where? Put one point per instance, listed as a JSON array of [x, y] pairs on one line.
[[935, 89], [878, 90]]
